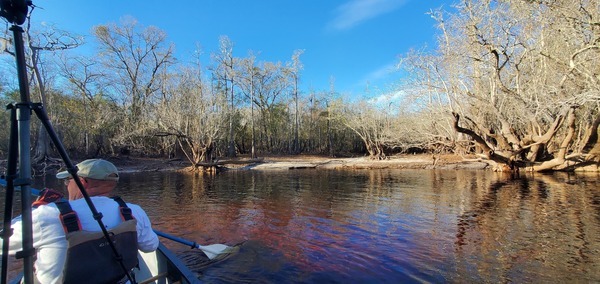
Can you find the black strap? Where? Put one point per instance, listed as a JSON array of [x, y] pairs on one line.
[[125, 211], [70, 221], [68, 217]]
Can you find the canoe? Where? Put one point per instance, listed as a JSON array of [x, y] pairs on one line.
[[158, 267], [163, 267]]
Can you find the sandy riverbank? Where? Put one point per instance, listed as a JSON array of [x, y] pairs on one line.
[[130, 164]]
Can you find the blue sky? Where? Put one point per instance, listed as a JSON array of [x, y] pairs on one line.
[[357, 42]]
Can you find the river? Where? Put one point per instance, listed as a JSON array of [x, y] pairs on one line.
[[379, 226]]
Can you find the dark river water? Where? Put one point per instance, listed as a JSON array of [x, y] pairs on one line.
[[379, 226]]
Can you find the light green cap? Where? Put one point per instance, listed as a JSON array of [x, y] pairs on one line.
[[94, 169]]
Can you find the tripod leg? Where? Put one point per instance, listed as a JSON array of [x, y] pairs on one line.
[[24, 182], [11, 172], [22, 135]]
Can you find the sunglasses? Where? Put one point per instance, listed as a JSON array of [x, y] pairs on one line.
[[69, 179]]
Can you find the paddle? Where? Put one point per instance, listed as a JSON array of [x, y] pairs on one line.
[[211, 251]]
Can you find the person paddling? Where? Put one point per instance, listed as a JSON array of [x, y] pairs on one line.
[[62, 239]]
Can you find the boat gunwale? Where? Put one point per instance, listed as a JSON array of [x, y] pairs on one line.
[[175, 263]]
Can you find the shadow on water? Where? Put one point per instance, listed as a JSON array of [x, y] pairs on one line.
[[253, 263], [257, 263]]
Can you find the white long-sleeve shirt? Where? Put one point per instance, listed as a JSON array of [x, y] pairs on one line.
[[49, 237]]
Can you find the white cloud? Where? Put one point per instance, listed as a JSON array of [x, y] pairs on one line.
[[378, 79], [381, 72], [384, 100], [355, 12]]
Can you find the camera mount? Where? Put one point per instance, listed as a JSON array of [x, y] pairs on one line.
[[14, 11]]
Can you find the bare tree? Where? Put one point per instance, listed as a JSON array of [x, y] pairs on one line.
[[270, 89], [98, 112], [193, 113], [518, 78], [137, 59], [294, 69], [367, 123], [249, 71], [225, 71], [38, 43]]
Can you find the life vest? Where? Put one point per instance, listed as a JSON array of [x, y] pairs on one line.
[[90, 258]]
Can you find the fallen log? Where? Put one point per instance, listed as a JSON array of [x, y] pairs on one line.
[[218, 163]]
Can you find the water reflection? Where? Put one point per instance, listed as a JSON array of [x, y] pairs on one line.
[[543, 228], [383, 226]]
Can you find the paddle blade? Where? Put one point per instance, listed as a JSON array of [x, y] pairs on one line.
[[213, 251]]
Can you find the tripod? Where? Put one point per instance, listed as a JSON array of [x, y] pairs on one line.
[[19, 155]]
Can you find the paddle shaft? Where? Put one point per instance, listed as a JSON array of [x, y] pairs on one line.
[[177, 239]]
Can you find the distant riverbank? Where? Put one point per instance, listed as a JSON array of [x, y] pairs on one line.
[[423, 161], [129, 164]]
